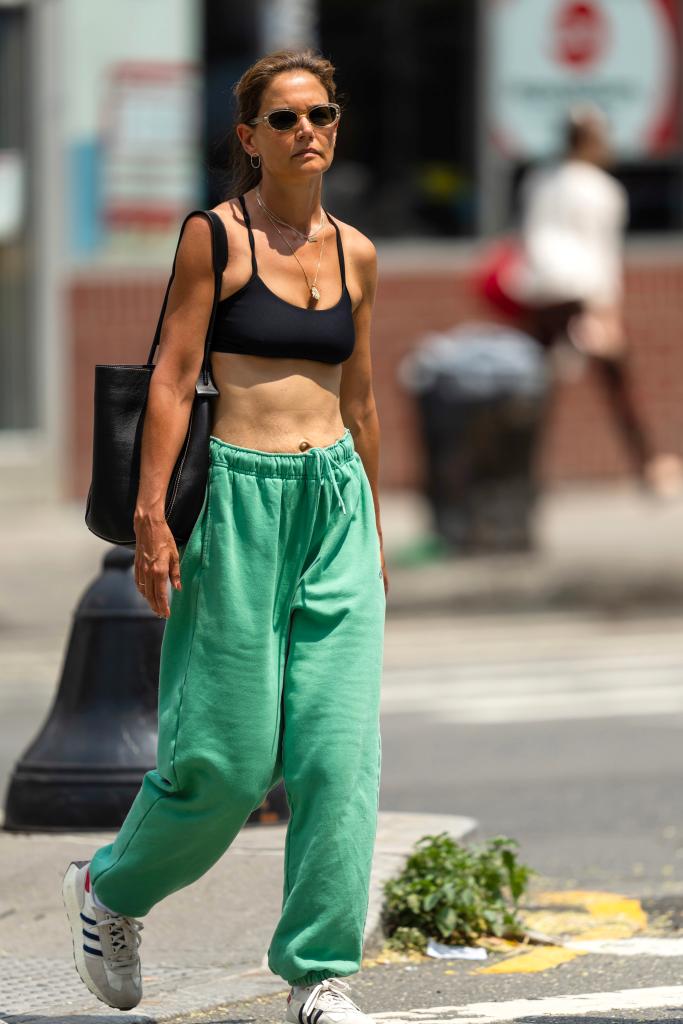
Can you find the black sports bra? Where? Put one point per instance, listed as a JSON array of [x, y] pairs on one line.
[[256, 321]]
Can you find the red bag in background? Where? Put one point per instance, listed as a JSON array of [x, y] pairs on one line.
[[494, 273]]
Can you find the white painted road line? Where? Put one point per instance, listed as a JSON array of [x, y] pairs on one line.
[[551, 1006], [484, 684], [638, 946], [462, 670]]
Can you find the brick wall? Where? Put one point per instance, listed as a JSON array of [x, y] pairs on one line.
[[114, 321]]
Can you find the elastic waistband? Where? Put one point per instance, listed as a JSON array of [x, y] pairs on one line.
[[281, 464]]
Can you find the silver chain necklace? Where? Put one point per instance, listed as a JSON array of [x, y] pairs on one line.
[[311, 287], [302, 234]]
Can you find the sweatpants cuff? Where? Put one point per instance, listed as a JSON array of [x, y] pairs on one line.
[[313, 977]]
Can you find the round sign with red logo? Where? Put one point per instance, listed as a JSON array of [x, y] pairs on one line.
[[581, 34], [545, 56]]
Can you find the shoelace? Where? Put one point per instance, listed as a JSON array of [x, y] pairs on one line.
[[124, 933], [329, 464], [328, 994]]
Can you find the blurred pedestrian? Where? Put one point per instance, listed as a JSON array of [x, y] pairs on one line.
[[271, 657], [563, 279]]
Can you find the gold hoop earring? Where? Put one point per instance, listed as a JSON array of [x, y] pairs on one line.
[[256, 166]]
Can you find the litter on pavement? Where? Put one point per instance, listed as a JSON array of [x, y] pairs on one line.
[[438, 949]]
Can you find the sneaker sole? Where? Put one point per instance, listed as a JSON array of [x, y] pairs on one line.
[[73, 912]]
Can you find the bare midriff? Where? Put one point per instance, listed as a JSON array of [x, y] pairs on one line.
[[276, 405]]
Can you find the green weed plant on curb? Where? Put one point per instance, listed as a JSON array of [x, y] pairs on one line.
[[455, 893]]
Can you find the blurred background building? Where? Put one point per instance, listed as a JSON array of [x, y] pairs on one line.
[[114, 121]]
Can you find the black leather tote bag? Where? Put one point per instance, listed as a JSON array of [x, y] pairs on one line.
[[119, 412]]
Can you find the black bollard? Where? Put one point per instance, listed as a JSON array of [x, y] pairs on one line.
[[87, 763]]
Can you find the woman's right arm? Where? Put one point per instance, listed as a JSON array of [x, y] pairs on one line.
[[171, 394]]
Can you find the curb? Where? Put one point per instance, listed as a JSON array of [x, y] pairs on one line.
[[528, 584]]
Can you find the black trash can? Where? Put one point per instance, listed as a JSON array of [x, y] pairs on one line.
[[481, 391]]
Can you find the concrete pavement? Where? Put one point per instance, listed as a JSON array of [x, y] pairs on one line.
[[602, 547]]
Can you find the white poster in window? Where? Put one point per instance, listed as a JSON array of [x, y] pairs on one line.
[[150, 140], [546, 55]]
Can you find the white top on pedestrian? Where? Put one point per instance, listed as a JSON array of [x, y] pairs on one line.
[[573, 219]]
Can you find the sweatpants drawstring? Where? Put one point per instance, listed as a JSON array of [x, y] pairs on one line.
[[329, 463]]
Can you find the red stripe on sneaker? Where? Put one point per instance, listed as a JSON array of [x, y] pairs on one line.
[[87, 880]]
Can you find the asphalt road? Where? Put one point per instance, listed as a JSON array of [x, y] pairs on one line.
[[562, 732]]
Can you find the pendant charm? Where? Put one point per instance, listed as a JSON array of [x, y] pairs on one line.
[[314, 292]]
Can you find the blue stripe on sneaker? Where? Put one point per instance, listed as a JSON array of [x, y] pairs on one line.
[[95, 952], [90, 935], [88, 920], [317, 1017]]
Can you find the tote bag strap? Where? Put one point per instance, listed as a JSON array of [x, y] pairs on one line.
[[219, 252]]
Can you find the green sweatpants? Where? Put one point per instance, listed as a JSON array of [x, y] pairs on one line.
[[270, 669]]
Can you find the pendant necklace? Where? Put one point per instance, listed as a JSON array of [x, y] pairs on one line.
[[303, 235], [311, 287]]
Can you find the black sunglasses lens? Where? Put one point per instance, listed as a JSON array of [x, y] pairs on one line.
[[282, 120], [322, 115]]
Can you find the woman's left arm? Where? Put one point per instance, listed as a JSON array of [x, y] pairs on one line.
[[357, 399]]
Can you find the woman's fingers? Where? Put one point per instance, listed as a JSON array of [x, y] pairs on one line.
[[139, 574], [152, 573], [160, 588], [174, 568]]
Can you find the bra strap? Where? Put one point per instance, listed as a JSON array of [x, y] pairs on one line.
[[219, 257], [340, 250], [251, 234]]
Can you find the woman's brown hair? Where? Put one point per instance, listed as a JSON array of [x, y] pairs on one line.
[[248, 92]]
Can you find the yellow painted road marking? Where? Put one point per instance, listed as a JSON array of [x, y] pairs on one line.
[[604, 905], [615, 917], [539, 959]]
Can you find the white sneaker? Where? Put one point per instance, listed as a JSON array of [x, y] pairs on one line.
[[323, 1003], [105, 944]]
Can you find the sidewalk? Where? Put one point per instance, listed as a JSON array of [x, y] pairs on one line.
[[202, 946], [607, 546]]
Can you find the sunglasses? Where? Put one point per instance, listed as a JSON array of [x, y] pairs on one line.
[[322, 115]]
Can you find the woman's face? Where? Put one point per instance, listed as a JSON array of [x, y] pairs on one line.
[[282, 153]]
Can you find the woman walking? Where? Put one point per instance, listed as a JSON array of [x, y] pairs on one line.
[[272, 650]]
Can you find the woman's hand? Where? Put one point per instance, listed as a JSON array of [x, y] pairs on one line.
[[156, 559]]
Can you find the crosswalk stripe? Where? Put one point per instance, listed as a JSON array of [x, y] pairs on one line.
[[451, 698], [530, 685], [549, 1006], [511, 677], [536, 699], [533, 709], [460, 667], [532, 640]]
